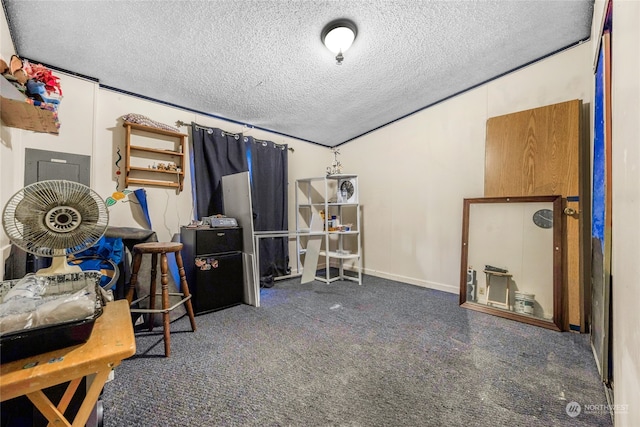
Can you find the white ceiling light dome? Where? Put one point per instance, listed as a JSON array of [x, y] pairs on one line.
[[338, 36]]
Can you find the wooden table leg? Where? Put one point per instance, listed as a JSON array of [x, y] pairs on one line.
[[56, 417], [68, 395], [48, 409], [93, 393]]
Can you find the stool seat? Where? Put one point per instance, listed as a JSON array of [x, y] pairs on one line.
[[162, 248], [157, 247]]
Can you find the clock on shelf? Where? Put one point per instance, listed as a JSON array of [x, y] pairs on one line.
[[347, 190], [543, 218]]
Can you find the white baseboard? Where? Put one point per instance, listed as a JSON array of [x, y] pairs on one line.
[[452, 289], [413, 281]]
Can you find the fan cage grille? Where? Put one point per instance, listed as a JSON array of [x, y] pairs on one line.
[[55, 218]]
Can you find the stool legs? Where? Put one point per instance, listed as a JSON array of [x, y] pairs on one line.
[[164, 280], [152, 290], [155, 248], [137, 259], [184, 287]]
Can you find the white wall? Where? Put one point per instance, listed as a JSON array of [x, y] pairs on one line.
[[168, 208], [414, 173], [626, 210]]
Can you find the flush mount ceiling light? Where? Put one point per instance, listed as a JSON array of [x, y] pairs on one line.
[[338, 36]]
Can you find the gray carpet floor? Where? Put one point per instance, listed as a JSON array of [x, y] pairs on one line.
[[380, 354]]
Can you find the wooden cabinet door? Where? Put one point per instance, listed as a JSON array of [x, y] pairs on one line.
[[538, 152]]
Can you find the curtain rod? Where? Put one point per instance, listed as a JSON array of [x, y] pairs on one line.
[[180, 123]]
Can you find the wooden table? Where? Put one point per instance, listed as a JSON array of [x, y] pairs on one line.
[[111, 341]]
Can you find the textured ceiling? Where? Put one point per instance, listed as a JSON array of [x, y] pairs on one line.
[[261, 62]]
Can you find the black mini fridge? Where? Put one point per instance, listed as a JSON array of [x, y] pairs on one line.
[[212, 259]]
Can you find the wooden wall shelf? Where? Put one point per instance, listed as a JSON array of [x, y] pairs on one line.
[[141, 169], [153, 150], [144, 175]]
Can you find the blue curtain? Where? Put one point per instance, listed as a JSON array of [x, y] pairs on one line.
[[141, 195], [215, 153], [269, 177]]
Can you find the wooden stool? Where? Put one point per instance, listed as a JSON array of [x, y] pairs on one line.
[[155, 248]]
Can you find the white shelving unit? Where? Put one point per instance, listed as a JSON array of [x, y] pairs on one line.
[[331, 195]]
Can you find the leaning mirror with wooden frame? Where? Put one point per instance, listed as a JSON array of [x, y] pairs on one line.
[[512, 258]]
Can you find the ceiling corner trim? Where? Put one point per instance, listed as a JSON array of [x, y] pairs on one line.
[[62, 70], [192, 110], [570, 46]]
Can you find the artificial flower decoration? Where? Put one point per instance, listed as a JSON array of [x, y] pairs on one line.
[[44, 75]]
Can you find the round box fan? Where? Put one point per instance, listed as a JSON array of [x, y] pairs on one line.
[[55, 218]]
